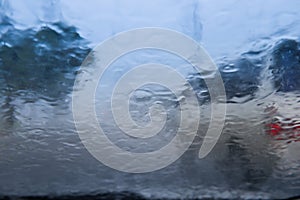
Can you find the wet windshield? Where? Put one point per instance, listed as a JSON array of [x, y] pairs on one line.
[[150, 99]]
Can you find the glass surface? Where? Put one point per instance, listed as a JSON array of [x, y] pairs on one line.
[[255, 45]]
